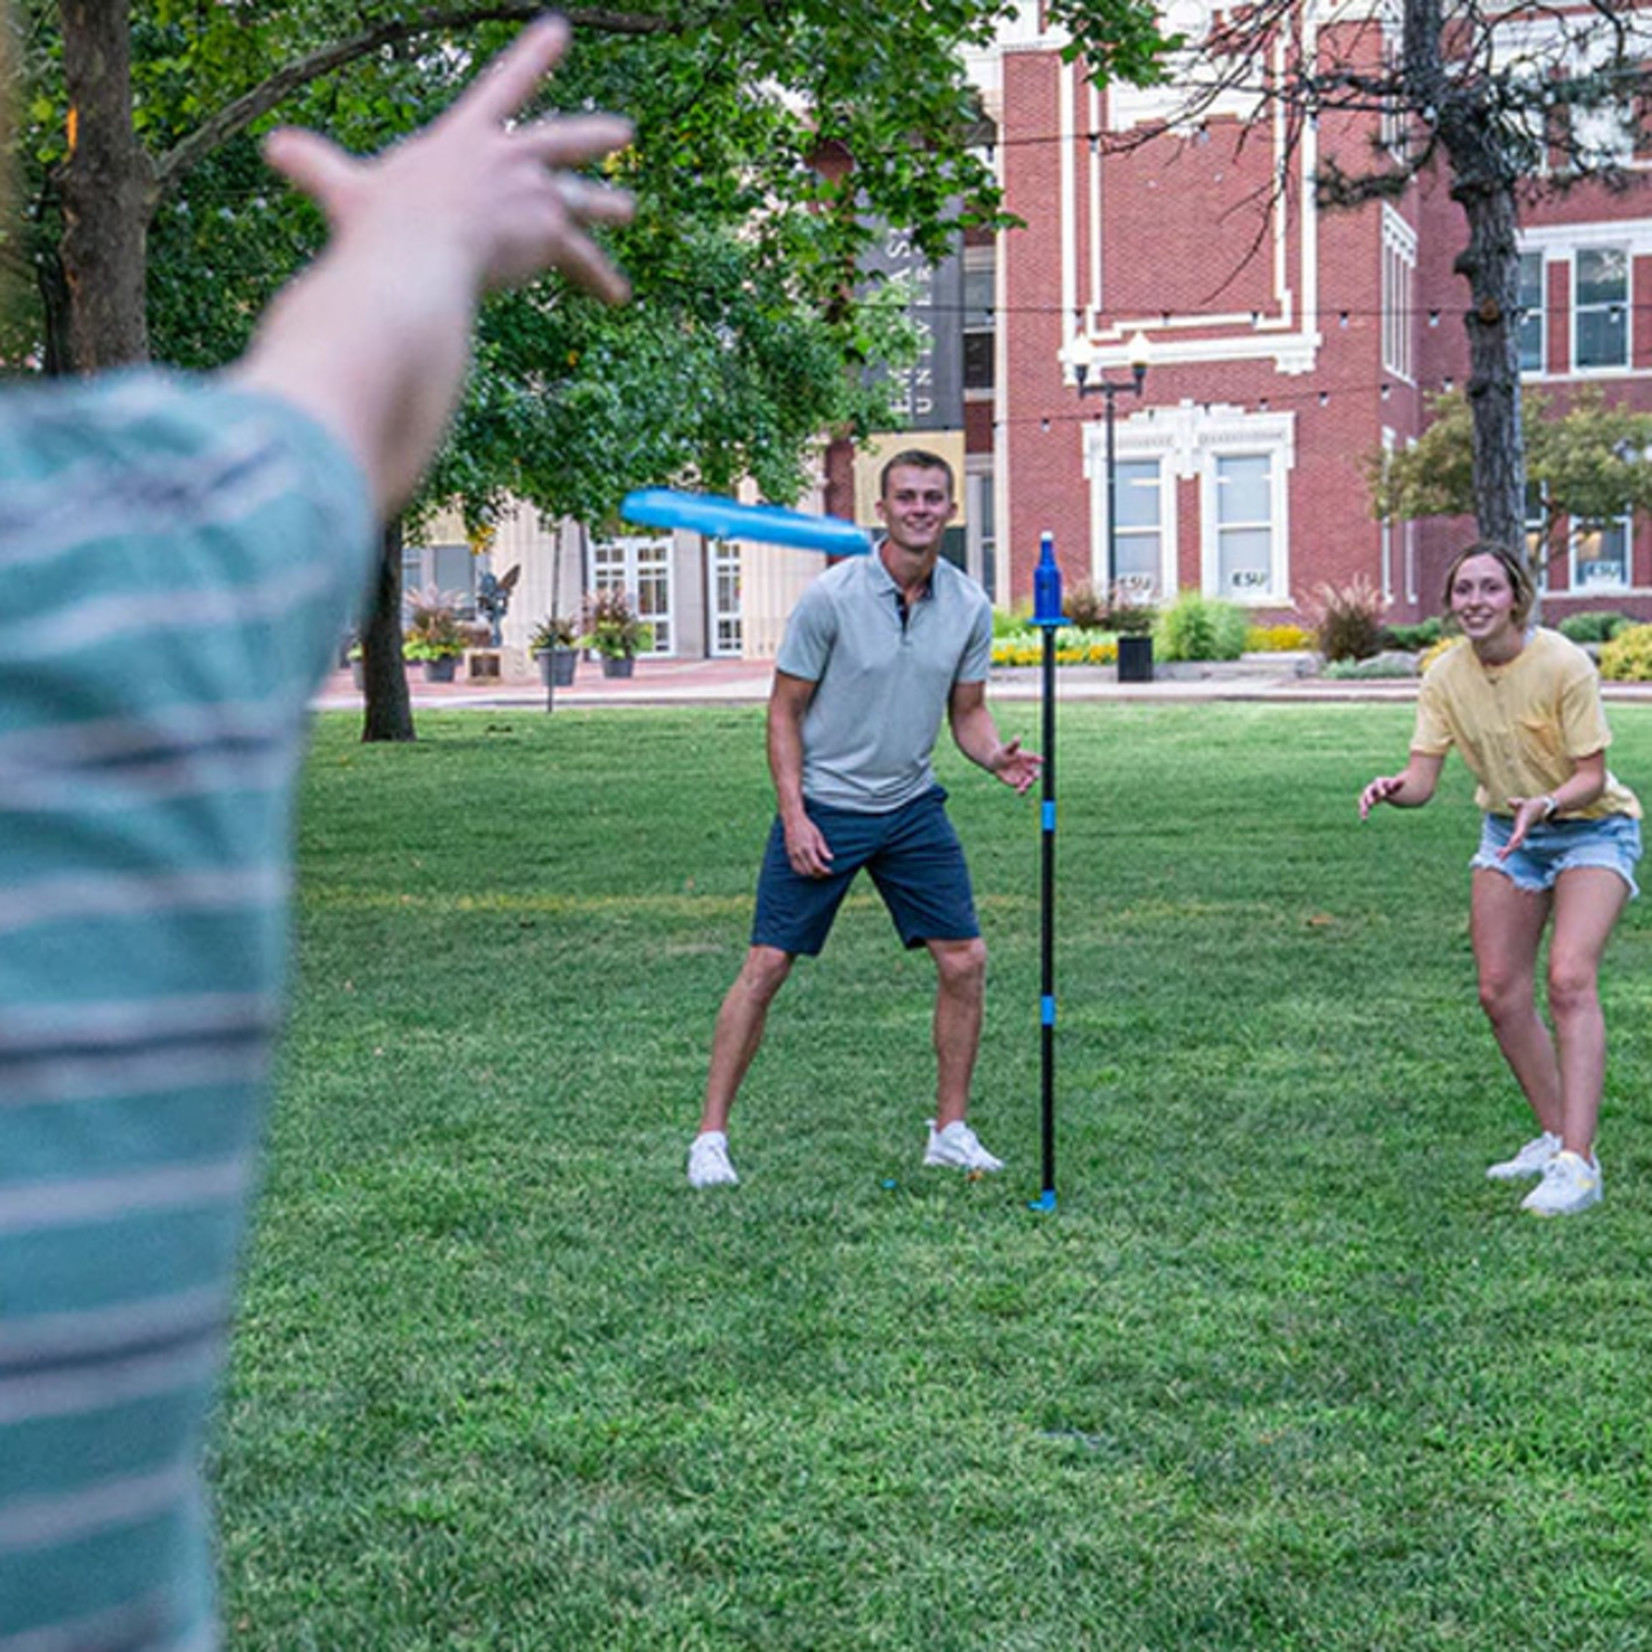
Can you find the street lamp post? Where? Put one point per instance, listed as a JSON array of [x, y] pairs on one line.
[[1081, 357]]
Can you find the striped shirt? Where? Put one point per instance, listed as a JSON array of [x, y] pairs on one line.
[[177, 561]]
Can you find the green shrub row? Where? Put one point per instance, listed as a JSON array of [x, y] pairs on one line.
[[1594, 625], [1197, 627]]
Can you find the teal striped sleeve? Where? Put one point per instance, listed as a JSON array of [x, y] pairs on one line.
[[177, 562]]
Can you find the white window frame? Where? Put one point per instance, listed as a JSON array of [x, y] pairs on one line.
[[1394, 121], [1385, 528], [725, 559], [1188, 439], [626, 564], [1399, 296], [1625, 524], [1540, 315], [1139, 440], [1625, 304], [1277, 590], [980, 261], [1531, 532], [1134, 591], [981, 525]]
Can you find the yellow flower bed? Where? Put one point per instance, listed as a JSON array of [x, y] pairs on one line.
[[1277, 639], [1068, 651]]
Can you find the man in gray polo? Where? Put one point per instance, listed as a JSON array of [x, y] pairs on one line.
[[878, 648]]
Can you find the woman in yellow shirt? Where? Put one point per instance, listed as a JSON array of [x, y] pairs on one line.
[[1561, 837]]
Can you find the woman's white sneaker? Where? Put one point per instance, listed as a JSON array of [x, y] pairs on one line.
[[708, 1161], [1532, 1159], [1570, 1183]]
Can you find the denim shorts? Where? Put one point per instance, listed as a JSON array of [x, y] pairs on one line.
[[1612, 842], [913, 855]]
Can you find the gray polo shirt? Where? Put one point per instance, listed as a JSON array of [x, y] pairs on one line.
[[881, 686]]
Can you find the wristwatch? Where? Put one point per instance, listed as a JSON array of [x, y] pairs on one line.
[[1551, 805]]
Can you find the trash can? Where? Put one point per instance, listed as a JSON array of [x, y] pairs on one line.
[[1135, 659]]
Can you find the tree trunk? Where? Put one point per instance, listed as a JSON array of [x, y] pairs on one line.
[[1483, 184], [107, 184], [1491, 265], [54, 309], [388, 713]]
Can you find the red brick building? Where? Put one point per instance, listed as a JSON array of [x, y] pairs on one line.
[[1287, 345]]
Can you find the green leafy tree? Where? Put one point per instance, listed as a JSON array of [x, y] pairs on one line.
[[1588, 462], [773, 135]]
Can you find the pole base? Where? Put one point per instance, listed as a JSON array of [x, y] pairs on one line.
[[1044, 1202]]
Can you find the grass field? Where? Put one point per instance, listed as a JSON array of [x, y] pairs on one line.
[[1283, 1371]]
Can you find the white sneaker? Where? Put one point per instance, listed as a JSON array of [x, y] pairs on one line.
[[708, 1161], [1531, 1160], [959, 1148], [1570, 1183]]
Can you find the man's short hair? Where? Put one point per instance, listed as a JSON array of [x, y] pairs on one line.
[[917, 458]]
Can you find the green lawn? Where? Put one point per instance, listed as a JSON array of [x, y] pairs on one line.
[[1283, 1371]]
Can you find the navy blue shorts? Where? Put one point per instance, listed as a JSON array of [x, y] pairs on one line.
[[913, 856]]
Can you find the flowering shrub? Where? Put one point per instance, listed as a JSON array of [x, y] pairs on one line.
[[1277, 639], [1430, 655], [1627, 658], [1071, 648]]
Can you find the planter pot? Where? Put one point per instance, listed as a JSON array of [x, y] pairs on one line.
[[441, 671], [1135, 659], [618, 665], [556, 666]]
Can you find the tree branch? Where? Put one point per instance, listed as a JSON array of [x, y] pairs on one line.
[[236, 116]]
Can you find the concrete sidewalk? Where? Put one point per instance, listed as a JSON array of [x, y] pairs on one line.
[[746, 682]]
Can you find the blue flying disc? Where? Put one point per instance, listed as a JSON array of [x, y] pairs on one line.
[[712, 514]]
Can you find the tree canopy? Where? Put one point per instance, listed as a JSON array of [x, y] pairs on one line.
[[1587, 462], [775, 138]]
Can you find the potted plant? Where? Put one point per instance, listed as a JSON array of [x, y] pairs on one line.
[[1133, 619], [555, 644], [615, 631], [434, 633]]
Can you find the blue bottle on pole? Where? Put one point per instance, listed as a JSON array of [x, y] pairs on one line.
[[1046, 584]]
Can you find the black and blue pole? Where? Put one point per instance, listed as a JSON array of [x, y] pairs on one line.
[[1047, 617]]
